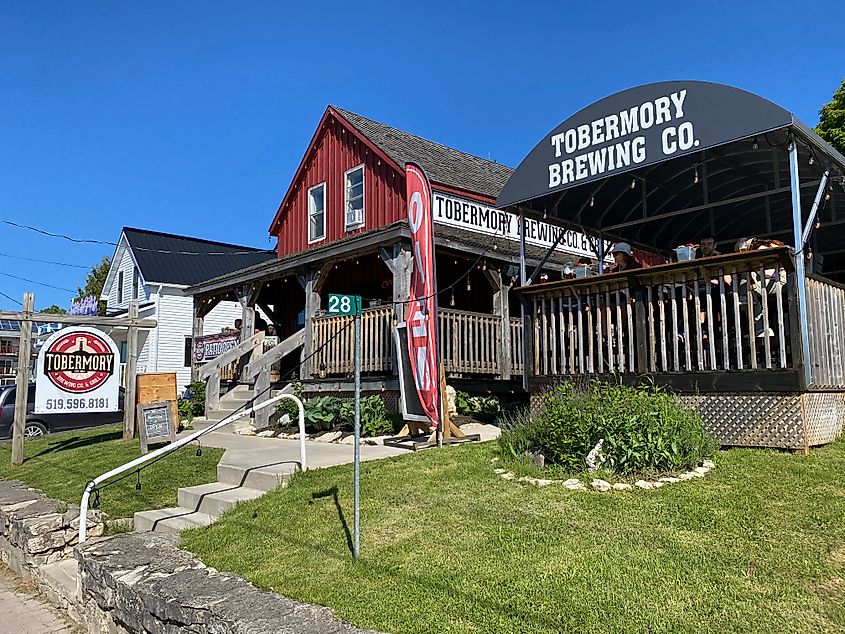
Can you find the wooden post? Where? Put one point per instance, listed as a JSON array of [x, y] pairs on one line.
[[311, 282], [400, 262], [262, 393], [22, 379], [501, 308], [197, 332], [131, 372]]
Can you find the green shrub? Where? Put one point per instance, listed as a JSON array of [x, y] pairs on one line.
[[374, 418], [288, 406], [484, 408], [643, 429], [322, 412], [198, 398], [186, 409]]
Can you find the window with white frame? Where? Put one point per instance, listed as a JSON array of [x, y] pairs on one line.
[[120, 286], [354, 197], [135, 283], [317, 213]]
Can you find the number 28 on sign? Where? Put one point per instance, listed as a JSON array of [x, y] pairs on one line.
[[344, 304]]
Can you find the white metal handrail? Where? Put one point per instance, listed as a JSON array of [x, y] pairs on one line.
[[83, 506]]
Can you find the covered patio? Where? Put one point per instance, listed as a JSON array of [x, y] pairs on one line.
[[754, 336]]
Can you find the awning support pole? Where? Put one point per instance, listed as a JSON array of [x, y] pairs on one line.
[[811, 221], [800, 274], [522, 278]]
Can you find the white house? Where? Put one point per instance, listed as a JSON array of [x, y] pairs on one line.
[[155, 268]]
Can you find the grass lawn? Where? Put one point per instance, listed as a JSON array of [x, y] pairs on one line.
[[448, 546], [62, 465]]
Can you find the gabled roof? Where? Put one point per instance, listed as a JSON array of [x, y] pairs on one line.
[[444, 165], [165, 258]]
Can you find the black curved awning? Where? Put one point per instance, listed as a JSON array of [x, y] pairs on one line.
[[660, 164]]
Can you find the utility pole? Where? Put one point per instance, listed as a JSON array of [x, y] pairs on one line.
[[22, 378]]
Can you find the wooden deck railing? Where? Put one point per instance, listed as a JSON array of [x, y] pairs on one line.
[[826, 317], [730, 313], [469, 343], [338, 356]]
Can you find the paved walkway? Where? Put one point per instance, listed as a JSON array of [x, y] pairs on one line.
[[22, 613]]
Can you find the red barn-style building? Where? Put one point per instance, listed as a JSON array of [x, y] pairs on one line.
[[342, 228]]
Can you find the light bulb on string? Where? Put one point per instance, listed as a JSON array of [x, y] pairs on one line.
[[812, 160], [452, 298], [592, 201], [695, 180], [754, 144], [633, 183], [545, 214], [469, 286]]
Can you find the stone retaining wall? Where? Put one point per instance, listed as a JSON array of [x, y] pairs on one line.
[[137, 583], [36, 530], [143, 582]]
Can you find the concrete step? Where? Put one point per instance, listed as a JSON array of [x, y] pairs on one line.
[[216, 498], [261, 478], [60, 581], [172, 520]]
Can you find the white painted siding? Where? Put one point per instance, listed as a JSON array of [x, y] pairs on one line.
[[126, 265]]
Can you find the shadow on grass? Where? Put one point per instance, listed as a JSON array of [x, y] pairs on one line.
[[76, 442], [332, 493]]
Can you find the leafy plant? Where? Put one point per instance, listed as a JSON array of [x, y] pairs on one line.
[[198, 397], [186, 409], [321, 412], [644, 429], [485, 408], [288, 406], [375, 420]]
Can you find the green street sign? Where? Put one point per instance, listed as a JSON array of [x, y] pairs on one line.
[[344, 304]]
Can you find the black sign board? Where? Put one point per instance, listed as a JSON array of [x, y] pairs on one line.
[[638, 127], [155, 424], [411, 407]]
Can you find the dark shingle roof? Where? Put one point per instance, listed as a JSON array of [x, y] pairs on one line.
[[443, 165], [170, 259]]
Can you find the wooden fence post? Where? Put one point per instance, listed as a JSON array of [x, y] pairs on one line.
[[131, 373], [22, 379]]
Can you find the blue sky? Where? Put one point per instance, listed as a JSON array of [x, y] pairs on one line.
[[191, 117]]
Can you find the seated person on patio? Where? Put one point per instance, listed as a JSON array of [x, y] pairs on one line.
[[707, 246], [623, 258]]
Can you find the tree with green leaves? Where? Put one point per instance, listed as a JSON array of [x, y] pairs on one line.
[[832, 120], [95, 280], [53, 310]]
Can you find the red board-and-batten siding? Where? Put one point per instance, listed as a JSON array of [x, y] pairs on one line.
[[338, 150], [335, 148]]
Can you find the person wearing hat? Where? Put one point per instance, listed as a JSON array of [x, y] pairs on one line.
[[623, 258]]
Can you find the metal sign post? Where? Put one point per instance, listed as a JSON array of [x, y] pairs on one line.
[[351, 305]]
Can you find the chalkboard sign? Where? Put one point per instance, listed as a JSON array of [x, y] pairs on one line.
[[411, 407], [155, 423]]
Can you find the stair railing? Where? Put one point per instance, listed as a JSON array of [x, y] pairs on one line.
[[83, 506]]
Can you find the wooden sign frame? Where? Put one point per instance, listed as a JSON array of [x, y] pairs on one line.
[[146, 441]]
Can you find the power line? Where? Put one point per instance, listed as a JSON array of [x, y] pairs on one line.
[[11, 299], [20, 257], [135, 248], [58, 288]]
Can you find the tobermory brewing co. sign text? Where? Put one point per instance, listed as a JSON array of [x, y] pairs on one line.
[[474, 216], [77, 372], [638, 127]]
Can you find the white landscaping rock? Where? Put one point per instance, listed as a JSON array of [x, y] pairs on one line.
[[508, 475], [267, 433], [642, 484], [451, 396], [689, 475], [696, 474], [668, 480], [702, 470], [576, 486], [544, 483], [246, 431], [709, 464], [571, 482], [329, 436], [500, 471], [657, 485], [348, 440], [622, 486], [600, 485]]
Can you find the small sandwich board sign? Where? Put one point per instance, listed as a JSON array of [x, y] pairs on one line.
[[155, 424]]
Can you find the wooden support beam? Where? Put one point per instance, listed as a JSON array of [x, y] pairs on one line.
[[312, 281], [197, 332], [501, 308], [131, 372], [277, 353], [78, 320], [22, 379]]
